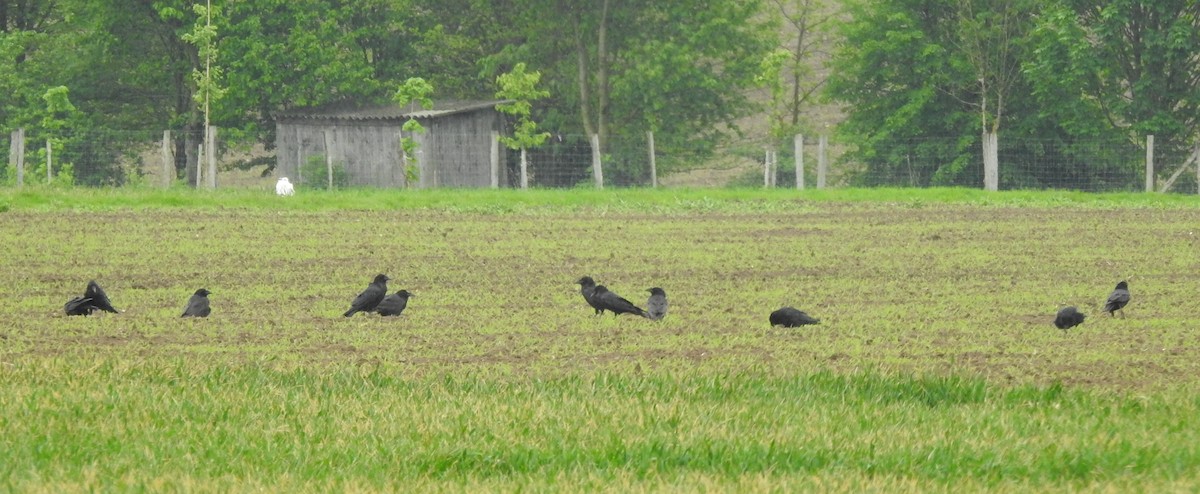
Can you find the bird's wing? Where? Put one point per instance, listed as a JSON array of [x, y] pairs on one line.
[[388, 305], [77, 306], [100, 299], [1117, 297], [369, 298]]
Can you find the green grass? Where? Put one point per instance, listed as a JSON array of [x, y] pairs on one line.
[[935, 367], [176, 424], [508, 201]]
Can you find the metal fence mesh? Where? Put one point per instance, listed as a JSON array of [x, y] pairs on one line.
[[118, 158]]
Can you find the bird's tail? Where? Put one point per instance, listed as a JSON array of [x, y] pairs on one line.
[[349, 313]]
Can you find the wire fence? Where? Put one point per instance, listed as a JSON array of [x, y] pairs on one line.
[[155, 157]]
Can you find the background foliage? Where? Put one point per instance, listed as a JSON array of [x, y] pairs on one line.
[[906, 78]]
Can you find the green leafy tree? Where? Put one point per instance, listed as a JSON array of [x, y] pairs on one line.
[[617, 68], [791, 71], [1125, 66], [208, 81], [414, 92], [901, 82], [521, 87]]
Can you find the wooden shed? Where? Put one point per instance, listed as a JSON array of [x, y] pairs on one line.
[[457, 149]]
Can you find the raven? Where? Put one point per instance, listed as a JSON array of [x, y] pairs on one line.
[[198, 305], [369, 298], [789, 317], [587, 286], [606, 300], [394, 304], [93, 299], [1117, 300], [656, 305], [1067, 318]]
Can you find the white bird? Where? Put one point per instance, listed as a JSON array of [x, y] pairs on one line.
[[284, 188]]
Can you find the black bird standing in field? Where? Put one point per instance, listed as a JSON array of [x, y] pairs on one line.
[[369, 298], [198, 305], [606, 300], [93, 299], [587, 287], [1067, 318], [1117, 300], [789, 317], [656, 305], [394, 304]]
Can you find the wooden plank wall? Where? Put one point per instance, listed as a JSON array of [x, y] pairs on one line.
[[454, 151]]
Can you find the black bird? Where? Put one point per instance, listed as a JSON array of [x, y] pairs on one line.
[[1067, 318], [93, 299], [789, 317], [198, 305], [587, 286], [606, 300], [1117, 300], [369, 298], [656, 305], [394, 304]]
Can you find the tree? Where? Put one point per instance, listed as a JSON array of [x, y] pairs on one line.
[[792, 72], [617, 68], [208, 82], [988, 37], [902, 83], [415, 91], [1126, 66], [521, 87]]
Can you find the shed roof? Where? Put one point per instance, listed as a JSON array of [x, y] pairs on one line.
[[353, 111]]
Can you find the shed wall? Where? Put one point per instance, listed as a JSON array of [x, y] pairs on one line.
[[454, 150]]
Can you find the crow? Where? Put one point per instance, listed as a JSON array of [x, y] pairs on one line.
[[1067, 318], [198, 305], [606, 300], [394, 304], [587, 286], [93, 299], [789, 317], [369, 298], [656, 305], [1117, 300]]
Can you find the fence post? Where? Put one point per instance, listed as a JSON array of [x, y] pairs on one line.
[[766, 168], [822, 163], [798, 144], [404, 159], [774, 168], [1198, 169], [199, 165], [495, 160], [991, 161], [300, 158], [1150, 163], [524, 170], [597, 171], [653, 166], [328, 134], [212, 156], [167, 169], [17, 154], [49, 162]]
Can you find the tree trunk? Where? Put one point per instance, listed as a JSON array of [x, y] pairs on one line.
[[602, 77], [593, 111]]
